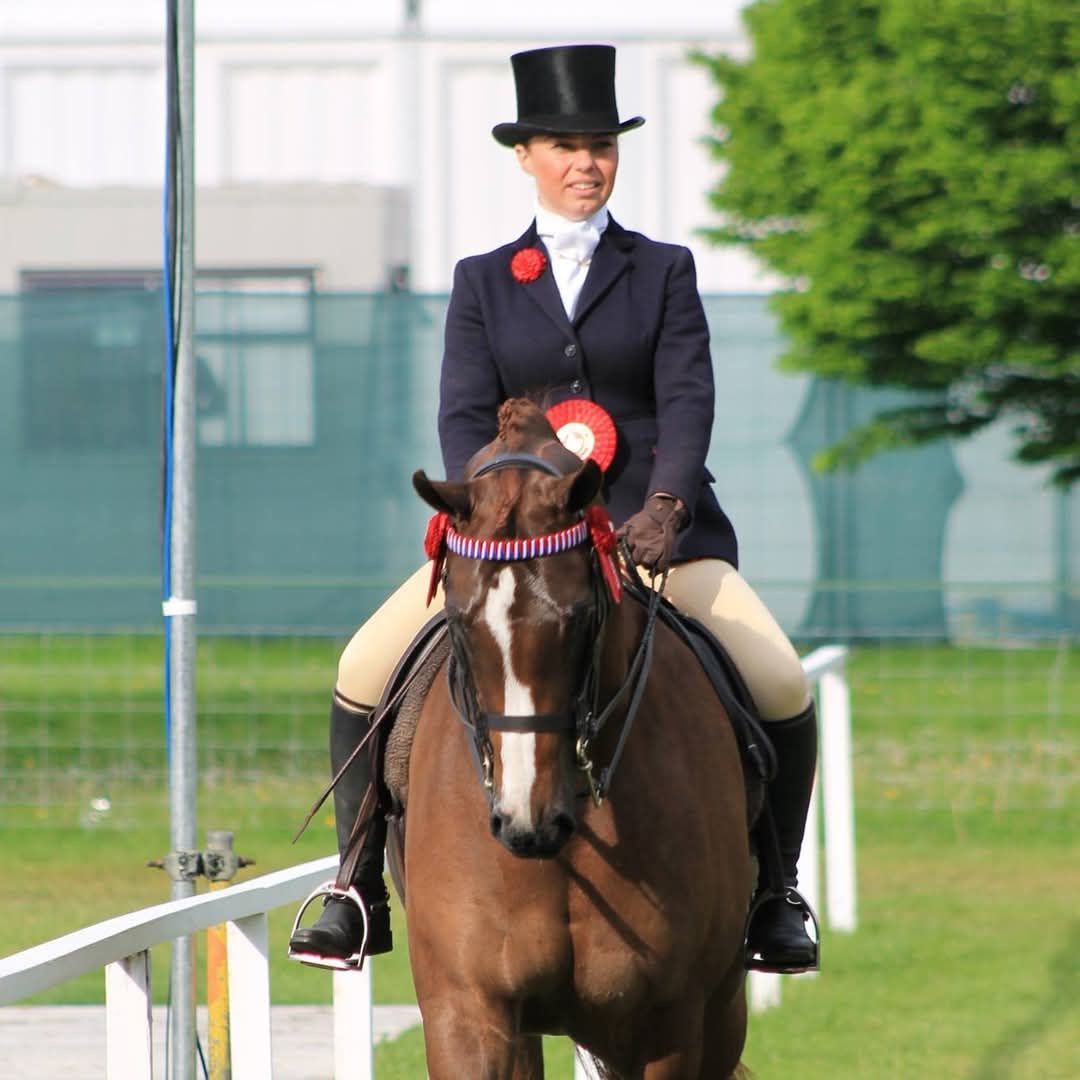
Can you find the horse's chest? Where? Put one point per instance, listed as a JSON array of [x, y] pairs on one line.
[[556, 974], [613, 980], [622, 961], [546, 955]]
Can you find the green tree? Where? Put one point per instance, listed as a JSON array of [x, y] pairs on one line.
[[910, 168]]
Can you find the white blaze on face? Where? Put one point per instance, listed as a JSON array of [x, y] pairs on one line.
[[518, 751]]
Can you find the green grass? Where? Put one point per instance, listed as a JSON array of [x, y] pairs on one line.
[[967, 782]]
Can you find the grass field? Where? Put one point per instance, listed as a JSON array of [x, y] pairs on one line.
[[965, 963]]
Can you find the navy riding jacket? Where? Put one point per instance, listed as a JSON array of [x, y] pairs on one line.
[[638, 345]]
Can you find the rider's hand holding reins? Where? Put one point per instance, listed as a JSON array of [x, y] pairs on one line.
[[650, 533]]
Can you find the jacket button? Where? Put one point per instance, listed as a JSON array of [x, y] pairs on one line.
[[577, 385], [570, 350]]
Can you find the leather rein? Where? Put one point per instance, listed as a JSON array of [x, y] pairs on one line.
[[583, 718]]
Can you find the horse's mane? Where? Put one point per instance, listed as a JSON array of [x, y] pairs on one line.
[[523, 428], [523, 425]]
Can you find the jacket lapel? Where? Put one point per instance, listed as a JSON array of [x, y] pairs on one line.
[[543, 291], [609, 262]]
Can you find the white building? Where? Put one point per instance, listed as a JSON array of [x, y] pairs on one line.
[[395, 95]]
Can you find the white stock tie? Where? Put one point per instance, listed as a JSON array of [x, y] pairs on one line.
[[571, 251]]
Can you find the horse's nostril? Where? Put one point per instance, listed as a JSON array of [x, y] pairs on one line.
[[565, 826], [497, 822], [524, 844]]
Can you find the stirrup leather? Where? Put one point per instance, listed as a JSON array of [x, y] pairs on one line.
[[332, 891], [792, 896]]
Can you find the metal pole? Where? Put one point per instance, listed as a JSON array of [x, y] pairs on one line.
[[182, 742]]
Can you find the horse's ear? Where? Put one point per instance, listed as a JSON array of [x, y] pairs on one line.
[[442, 494], [585, 486]]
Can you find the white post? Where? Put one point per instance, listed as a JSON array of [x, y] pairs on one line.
[[839, 800], [809, 868], [764, 990], [128, 1032], [809, 857], [354, 1056], [583, 1066], [249, 998]]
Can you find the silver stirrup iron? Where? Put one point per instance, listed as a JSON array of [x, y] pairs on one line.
[[790, 895], [337, 963]]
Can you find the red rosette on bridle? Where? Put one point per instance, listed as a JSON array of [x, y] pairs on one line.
[[528, 264], [435, 549], [586, 429], [602, 533]]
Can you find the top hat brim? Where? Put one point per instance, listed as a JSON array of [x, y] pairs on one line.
[[512, 134]]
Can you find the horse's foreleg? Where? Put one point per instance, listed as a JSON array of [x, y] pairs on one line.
[[724, 1032], [672, 1048], [472, 1038], [529, 1060]]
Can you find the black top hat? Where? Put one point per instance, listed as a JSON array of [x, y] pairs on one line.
[[567, 89]]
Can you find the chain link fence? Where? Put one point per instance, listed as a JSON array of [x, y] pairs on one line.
[[947, 566]]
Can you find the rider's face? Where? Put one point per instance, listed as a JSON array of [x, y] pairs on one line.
[[574, 174]]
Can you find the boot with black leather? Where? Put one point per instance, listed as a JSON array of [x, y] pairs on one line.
[[338, 934], [777, 937]]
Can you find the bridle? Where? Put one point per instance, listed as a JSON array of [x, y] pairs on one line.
[[583, 716]]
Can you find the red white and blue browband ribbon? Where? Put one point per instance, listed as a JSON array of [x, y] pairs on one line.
[[531, 547], [595, 526]]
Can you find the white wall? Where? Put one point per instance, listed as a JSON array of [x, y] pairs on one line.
[[347, 93]]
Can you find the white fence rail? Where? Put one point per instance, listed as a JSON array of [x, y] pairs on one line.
[[121, 945]]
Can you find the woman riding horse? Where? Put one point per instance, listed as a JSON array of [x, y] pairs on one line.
[[617, 920], [587, 312]]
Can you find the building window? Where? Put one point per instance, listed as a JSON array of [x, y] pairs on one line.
[[92, 358]]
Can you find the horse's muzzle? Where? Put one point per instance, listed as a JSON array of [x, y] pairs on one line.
[[543, 842]]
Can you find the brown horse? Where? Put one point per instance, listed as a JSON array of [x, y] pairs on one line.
[[534, 908]]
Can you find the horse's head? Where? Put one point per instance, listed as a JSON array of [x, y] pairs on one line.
[[525, 608]]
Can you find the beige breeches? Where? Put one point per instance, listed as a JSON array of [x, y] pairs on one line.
[[710, 590], [716, 594]]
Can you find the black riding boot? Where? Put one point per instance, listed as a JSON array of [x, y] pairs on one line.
[[339, 931], [776, 937]]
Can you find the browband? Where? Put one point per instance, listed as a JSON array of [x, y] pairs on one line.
[[519, 548]]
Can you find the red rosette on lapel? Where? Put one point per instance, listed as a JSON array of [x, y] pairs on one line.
[[528, 264], [602, 533], [586, 429], [435, 549]]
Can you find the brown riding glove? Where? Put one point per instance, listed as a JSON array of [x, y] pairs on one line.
[[651, 532]]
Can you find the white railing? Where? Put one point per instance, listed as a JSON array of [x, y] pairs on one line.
[[121, 945]]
